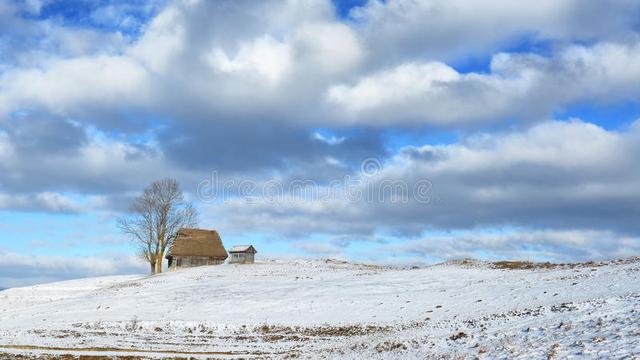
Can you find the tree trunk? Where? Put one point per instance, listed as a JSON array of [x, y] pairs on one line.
[[159, 263], [153, 267]]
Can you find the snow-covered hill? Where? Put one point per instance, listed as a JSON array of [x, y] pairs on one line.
[[330, 309]]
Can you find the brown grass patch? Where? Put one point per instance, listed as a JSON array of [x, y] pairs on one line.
[[529, 265], [524, 265]]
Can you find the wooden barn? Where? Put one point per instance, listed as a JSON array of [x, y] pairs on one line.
[[242, 254], [196, 247]]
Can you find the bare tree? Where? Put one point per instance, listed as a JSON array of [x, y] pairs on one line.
[[138, 224], [155, 218]]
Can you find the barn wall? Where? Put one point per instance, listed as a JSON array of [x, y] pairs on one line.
[[193, 261]]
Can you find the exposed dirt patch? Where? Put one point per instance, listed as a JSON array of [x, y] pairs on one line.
[[324, 331], [390, 346], [458, 336]]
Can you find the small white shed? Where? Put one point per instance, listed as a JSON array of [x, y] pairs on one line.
[[242, 254]]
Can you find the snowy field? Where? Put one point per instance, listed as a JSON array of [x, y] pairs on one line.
[[329, 309]]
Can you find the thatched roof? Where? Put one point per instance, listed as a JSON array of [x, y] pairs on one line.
[[243, 249], [198, 242]]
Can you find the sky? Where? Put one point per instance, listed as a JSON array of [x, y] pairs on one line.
[[394, 132]]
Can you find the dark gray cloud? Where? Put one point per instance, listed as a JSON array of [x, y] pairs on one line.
[[556, 246], [410, 30], [242, 146], [42, 135], [560, 175], [39, 202]]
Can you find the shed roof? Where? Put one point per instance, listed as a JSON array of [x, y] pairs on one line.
[[243, 249], [198, 242]]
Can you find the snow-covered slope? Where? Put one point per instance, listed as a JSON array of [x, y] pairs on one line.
[[334, 310]]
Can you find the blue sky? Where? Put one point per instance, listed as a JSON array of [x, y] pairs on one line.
[[526, 132]]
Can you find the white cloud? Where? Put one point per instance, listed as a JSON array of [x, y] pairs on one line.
[[392, 90], [20, 270], [521, 86], [314, 70], [330, 48], [333, 140], [265, 58], [66, 85], [27, 42], [279, 54], [162, 41]]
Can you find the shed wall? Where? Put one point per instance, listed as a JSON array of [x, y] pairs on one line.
[[242, 258]]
